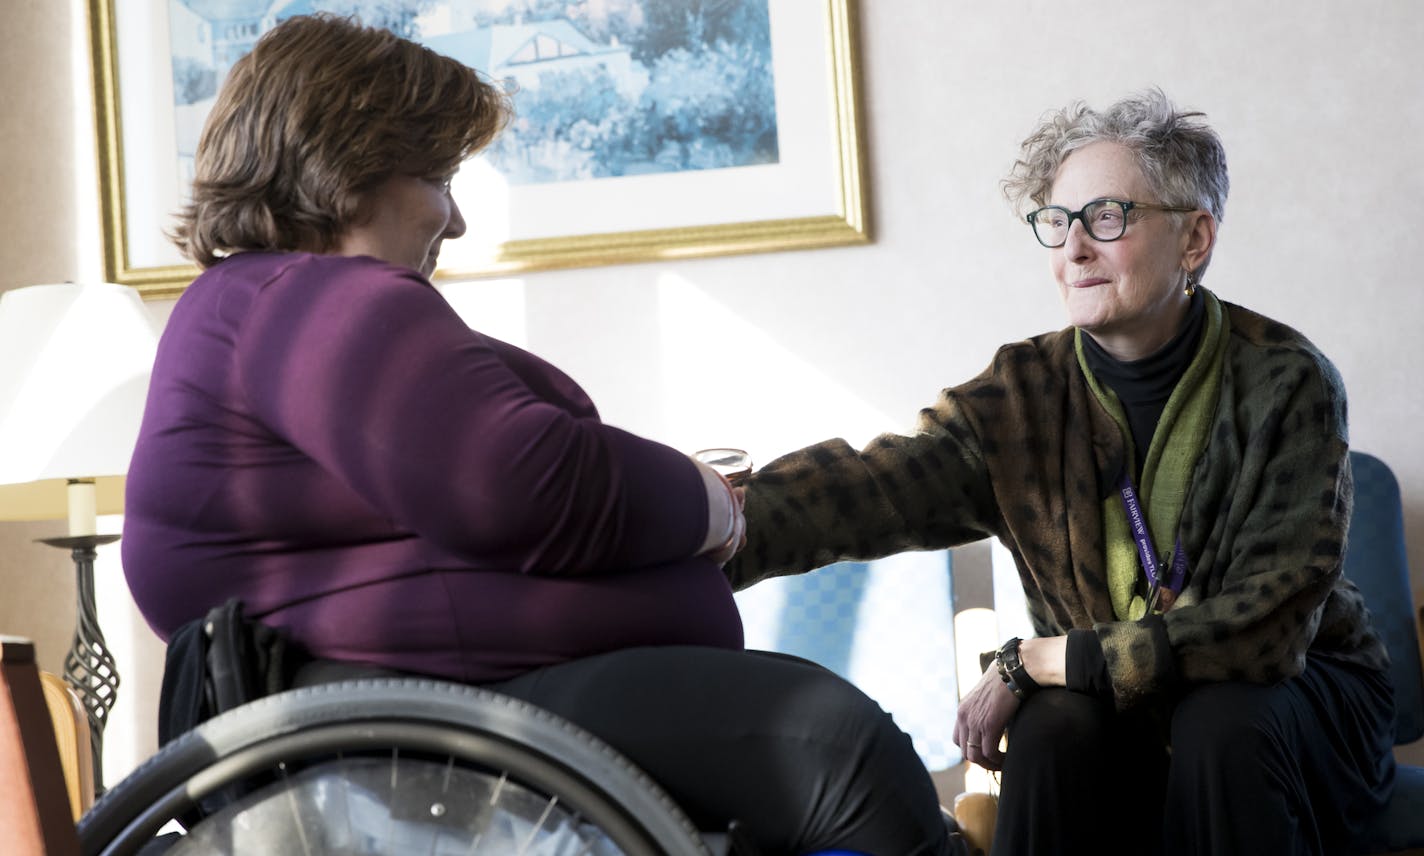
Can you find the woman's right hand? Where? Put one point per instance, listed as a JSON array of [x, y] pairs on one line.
[[983, 717]]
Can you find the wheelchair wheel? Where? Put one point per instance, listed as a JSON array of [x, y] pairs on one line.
[[391, 766]]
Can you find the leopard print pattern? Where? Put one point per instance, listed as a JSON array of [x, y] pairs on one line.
[[1025, 453]]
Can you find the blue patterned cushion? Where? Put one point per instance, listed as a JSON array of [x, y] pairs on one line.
[[818, 617], [887, 626]]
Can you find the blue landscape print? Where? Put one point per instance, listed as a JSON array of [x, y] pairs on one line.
[[602, 88]]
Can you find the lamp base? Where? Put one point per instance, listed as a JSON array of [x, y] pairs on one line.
[[89, 667]]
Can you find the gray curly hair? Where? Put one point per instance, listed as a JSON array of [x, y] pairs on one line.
[[1180, 155]]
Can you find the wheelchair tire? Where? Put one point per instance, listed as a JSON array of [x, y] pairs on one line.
[[465, 726]]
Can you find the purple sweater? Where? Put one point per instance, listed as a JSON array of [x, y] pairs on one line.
[[327, 440]]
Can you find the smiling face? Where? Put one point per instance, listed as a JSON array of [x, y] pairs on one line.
[[1127, 294], [407, 219]]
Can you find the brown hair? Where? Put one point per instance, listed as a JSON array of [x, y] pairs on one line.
[[319, 113]]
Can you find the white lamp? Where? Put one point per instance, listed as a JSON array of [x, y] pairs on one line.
[[74, 368]]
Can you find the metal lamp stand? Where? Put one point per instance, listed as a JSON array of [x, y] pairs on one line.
[[90, 667]]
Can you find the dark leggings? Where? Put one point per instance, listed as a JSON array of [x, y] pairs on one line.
[[802, 759], [1284, 769], [798, 756]]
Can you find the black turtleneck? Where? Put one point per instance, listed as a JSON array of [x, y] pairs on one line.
[[1143, 386]]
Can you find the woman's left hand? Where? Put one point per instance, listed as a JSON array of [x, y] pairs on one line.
[[983, 716]]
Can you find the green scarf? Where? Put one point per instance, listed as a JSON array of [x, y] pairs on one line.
[[1178, 441]]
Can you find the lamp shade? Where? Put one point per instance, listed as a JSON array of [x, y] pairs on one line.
[[74, 368]]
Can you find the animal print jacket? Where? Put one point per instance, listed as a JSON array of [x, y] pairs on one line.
[[1027, 454]]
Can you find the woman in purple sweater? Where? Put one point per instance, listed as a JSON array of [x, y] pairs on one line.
[[326, 440]]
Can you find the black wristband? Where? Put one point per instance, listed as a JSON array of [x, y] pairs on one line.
[[1012, 670], [1008, 681]]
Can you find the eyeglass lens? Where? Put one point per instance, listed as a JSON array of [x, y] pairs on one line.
[[1105, 220]]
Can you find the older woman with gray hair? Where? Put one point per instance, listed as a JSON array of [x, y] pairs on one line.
[[1170, 473]]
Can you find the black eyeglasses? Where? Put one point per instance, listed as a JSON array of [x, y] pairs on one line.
[[1104, 220]]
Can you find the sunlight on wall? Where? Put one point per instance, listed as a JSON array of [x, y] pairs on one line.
[[494, 307], [710, 354]]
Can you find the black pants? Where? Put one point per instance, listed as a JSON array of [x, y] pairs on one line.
[[799, 756], [1280, 770]]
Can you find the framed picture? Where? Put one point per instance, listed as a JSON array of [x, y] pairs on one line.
[[643, 130]]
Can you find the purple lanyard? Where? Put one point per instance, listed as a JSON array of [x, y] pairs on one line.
[[1145, 549]]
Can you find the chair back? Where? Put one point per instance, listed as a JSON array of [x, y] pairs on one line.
[[71, 736], [1376, 562], [34, 808]]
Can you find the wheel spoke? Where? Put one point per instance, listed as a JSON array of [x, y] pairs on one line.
[[548, 809], [295, 809]]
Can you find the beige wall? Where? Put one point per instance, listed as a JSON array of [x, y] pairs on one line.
[[38, 229], [1318, 103]]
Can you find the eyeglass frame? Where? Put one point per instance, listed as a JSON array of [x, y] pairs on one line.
[[1127, 206]]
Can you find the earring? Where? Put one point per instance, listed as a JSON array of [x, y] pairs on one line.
[[1192, 282]]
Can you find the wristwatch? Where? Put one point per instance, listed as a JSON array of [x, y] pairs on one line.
[[1012, 670]]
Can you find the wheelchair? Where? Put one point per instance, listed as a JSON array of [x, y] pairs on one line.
[[286, 754], [390, 766]]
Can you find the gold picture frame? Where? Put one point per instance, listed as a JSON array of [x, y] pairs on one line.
[[813, 197]]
